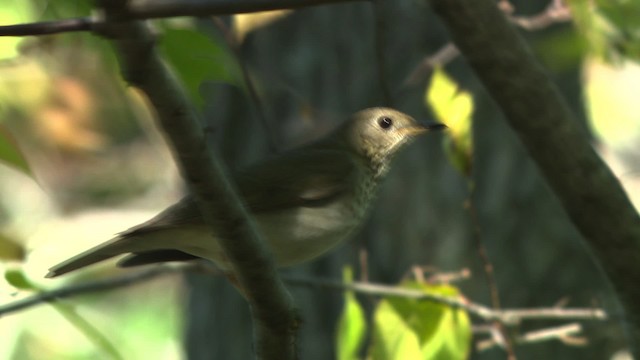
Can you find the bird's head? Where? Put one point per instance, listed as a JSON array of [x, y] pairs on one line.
[[378, 133]]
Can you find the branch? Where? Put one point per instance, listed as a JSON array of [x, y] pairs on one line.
[[556, 12], [272, 308], [564, 333], [508, 317], [86, 288], [153, 10], [586, 187], [49, 27]]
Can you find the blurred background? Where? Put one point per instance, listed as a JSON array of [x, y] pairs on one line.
[[84, 160]]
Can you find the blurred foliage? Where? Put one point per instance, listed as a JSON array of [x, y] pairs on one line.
[[611, 27], [412, 329], [405, 328], [17, 278], [10, 250], [611, 95], [10, 152], [197, 58], [13, 12], [454, 108], [243, 24], [352, 324]]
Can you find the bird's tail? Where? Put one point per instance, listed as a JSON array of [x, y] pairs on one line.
[[96, 254]]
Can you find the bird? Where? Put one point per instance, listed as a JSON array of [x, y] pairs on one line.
[[304, 201]]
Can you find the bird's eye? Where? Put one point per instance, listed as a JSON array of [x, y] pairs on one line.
[[385, 122]]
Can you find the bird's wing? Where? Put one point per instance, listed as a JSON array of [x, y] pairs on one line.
[[295, 179], [183, 213], [307, 178]]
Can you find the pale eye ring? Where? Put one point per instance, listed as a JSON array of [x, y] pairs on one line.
[[385, 122]]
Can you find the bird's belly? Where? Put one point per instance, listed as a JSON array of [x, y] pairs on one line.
[[304, 233], [293, 235]]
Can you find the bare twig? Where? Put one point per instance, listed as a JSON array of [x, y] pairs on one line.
[[556, 12], [155, 10], [443, 56], [508, 317], [49, 27], [489, 274], [565, 333], [68, 291]]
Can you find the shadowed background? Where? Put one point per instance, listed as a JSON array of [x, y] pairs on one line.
[[312, 68]]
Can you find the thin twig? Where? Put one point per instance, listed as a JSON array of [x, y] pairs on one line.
[[49, 27], [506, 316], [565, 333], [505, 339], [443, 56], [556, 12], [155, 10], [86, 288]]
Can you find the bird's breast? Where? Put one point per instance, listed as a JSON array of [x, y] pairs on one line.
[[302, 233]]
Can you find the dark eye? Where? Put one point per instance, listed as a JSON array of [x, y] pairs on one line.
[[385, 122]]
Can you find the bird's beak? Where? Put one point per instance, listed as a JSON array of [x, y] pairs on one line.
[[435, 126], [423, 128]]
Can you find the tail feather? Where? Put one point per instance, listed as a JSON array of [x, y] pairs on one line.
[[109, 249]]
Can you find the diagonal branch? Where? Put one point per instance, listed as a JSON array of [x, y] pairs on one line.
[[586, 187], [272, 307]]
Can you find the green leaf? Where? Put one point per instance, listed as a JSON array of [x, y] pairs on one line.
[[351, 325], [197, 58], [455, 109], [10, 152], [17, 279], [412, 329], [10, 249]]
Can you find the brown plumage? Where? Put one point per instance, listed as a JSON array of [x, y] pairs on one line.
[[304, 201]]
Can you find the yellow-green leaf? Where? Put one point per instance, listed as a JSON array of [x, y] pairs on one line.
[[411, 329], [243, 24], [17, 279], [454, 108], [351, 325]]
